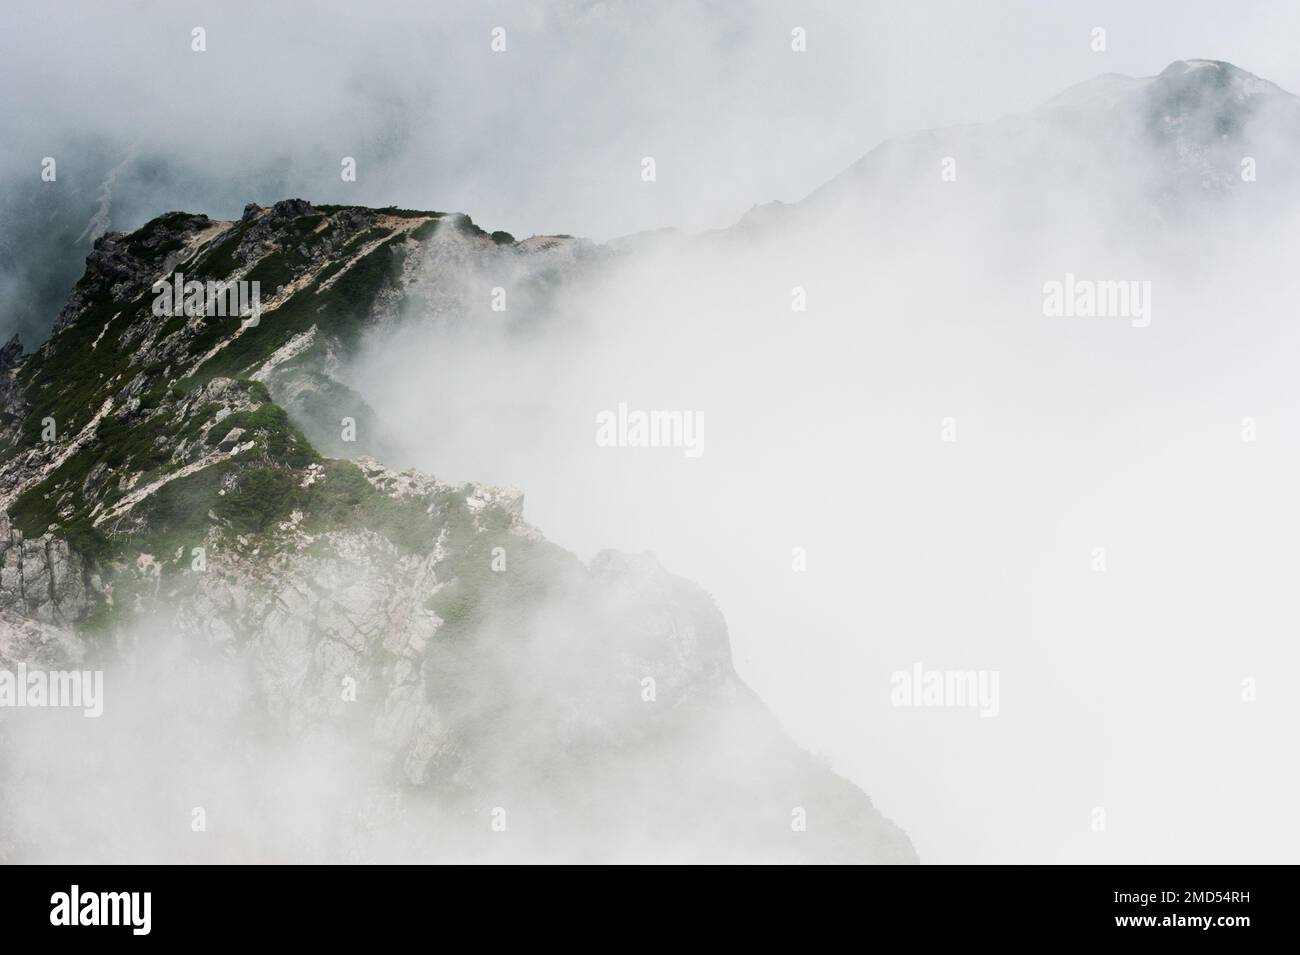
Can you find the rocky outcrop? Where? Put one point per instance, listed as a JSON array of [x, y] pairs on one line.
[[41, 579], [124, 266], [36, 644], [10, 358]]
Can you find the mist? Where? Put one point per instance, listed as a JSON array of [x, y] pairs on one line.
[[914, 464], [824, 431], [546, 137]]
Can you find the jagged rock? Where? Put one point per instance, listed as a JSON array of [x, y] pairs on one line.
[[11, 353], [287, 209], [121, 266], [10, 357], [41, 578], [37, 644]]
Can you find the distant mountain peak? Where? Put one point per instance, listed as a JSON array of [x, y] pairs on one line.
[[1216, 75], [1161, 143]]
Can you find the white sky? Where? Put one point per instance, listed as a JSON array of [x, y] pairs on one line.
[[548, 136]]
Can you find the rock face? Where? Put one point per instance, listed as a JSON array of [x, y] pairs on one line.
[[42, 579], [123, 266], [10, 358], [165, 471]]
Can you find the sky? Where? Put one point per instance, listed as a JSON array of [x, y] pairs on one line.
[[548, 135]]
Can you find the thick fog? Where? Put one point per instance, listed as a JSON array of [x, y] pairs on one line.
[[1159, 435], [918, 465], [824, 430]]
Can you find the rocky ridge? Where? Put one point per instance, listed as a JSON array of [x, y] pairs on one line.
[[170, 471]]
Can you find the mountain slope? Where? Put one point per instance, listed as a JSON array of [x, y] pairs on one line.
[[1137, 150], [166, 474]]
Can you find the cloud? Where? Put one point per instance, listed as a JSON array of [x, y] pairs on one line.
[[1118, 689]]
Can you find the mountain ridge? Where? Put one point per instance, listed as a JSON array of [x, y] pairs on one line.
[[187, 474], [1193, 118]]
